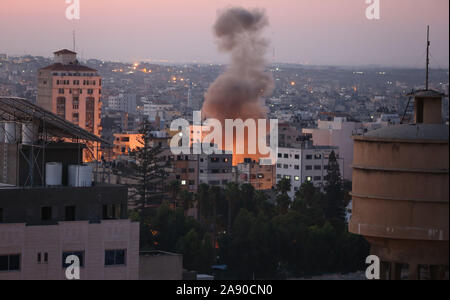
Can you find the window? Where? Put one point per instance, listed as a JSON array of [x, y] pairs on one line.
[[111, 211], [279, 166], [46, 213], [39, 256], [61, 107], [309, 178], [317, 178], [308, 168], [79, 254], [90, 91], [297, 178], [317, 156], [308, 156], [183, 182], [260, 176], [45, 258], [297, 167], [280, 155], [317, 167], [297, 156], [61, 91], [114, 257], [75, 102], [75, 118], [10, 262], [70, 213], [286, 156], [1, 215]]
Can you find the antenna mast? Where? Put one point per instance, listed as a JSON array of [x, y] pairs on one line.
[[74, 41], [428, 57]]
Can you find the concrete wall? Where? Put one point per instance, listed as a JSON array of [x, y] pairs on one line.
[[24, 205], [160, 266], [93, 239], [400, 199]]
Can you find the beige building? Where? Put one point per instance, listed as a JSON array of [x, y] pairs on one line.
[[401, 192], [73, 92]]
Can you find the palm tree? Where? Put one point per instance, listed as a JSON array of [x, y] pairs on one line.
[[174, 188], [232, 193]]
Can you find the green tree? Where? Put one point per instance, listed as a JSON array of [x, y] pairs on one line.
[[308, 202], [186, 199], [284, 186], [148, 172], [174, 187], [334, 207], [283, 202], [232, 194]]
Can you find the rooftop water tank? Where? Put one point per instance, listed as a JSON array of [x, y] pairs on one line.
[[53, 174], [12, 132], [29, 133], [80, 175]]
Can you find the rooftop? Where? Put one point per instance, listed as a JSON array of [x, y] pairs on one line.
[[20, 110], [430, 132], [427, 94], [64, 51], [69, 67]]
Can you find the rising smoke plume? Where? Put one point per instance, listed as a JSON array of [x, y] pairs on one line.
[[237, 93]]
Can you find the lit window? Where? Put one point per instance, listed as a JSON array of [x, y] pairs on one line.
[[297, 178]]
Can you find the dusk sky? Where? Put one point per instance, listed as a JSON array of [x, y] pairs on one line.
[[318, 32]]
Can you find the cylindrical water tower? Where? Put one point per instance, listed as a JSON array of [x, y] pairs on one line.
[[401, 192], [53, 174], [12, 132]]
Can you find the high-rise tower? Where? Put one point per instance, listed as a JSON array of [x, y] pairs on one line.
[[73, 92]]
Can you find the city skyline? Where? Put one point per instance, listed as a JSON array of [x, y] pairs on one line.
[[329, 33]]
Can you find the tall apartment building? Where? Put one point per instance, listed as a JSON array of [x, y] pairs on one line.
[[306, 164], [73, 92]]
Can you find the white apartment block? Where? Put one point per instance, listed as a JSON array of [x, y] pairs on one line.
[[301, 165], [125, 103]]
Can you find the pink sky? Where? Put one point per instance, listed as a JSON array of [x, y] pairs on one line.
[[302, 31]]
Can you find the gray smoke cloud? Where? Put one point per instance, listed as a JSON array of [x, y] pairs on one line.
[[238, 92]]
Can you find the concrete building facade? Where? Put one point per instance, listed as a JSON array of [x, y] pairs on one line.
[[306, 164], [73, 92], [337, 133]]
